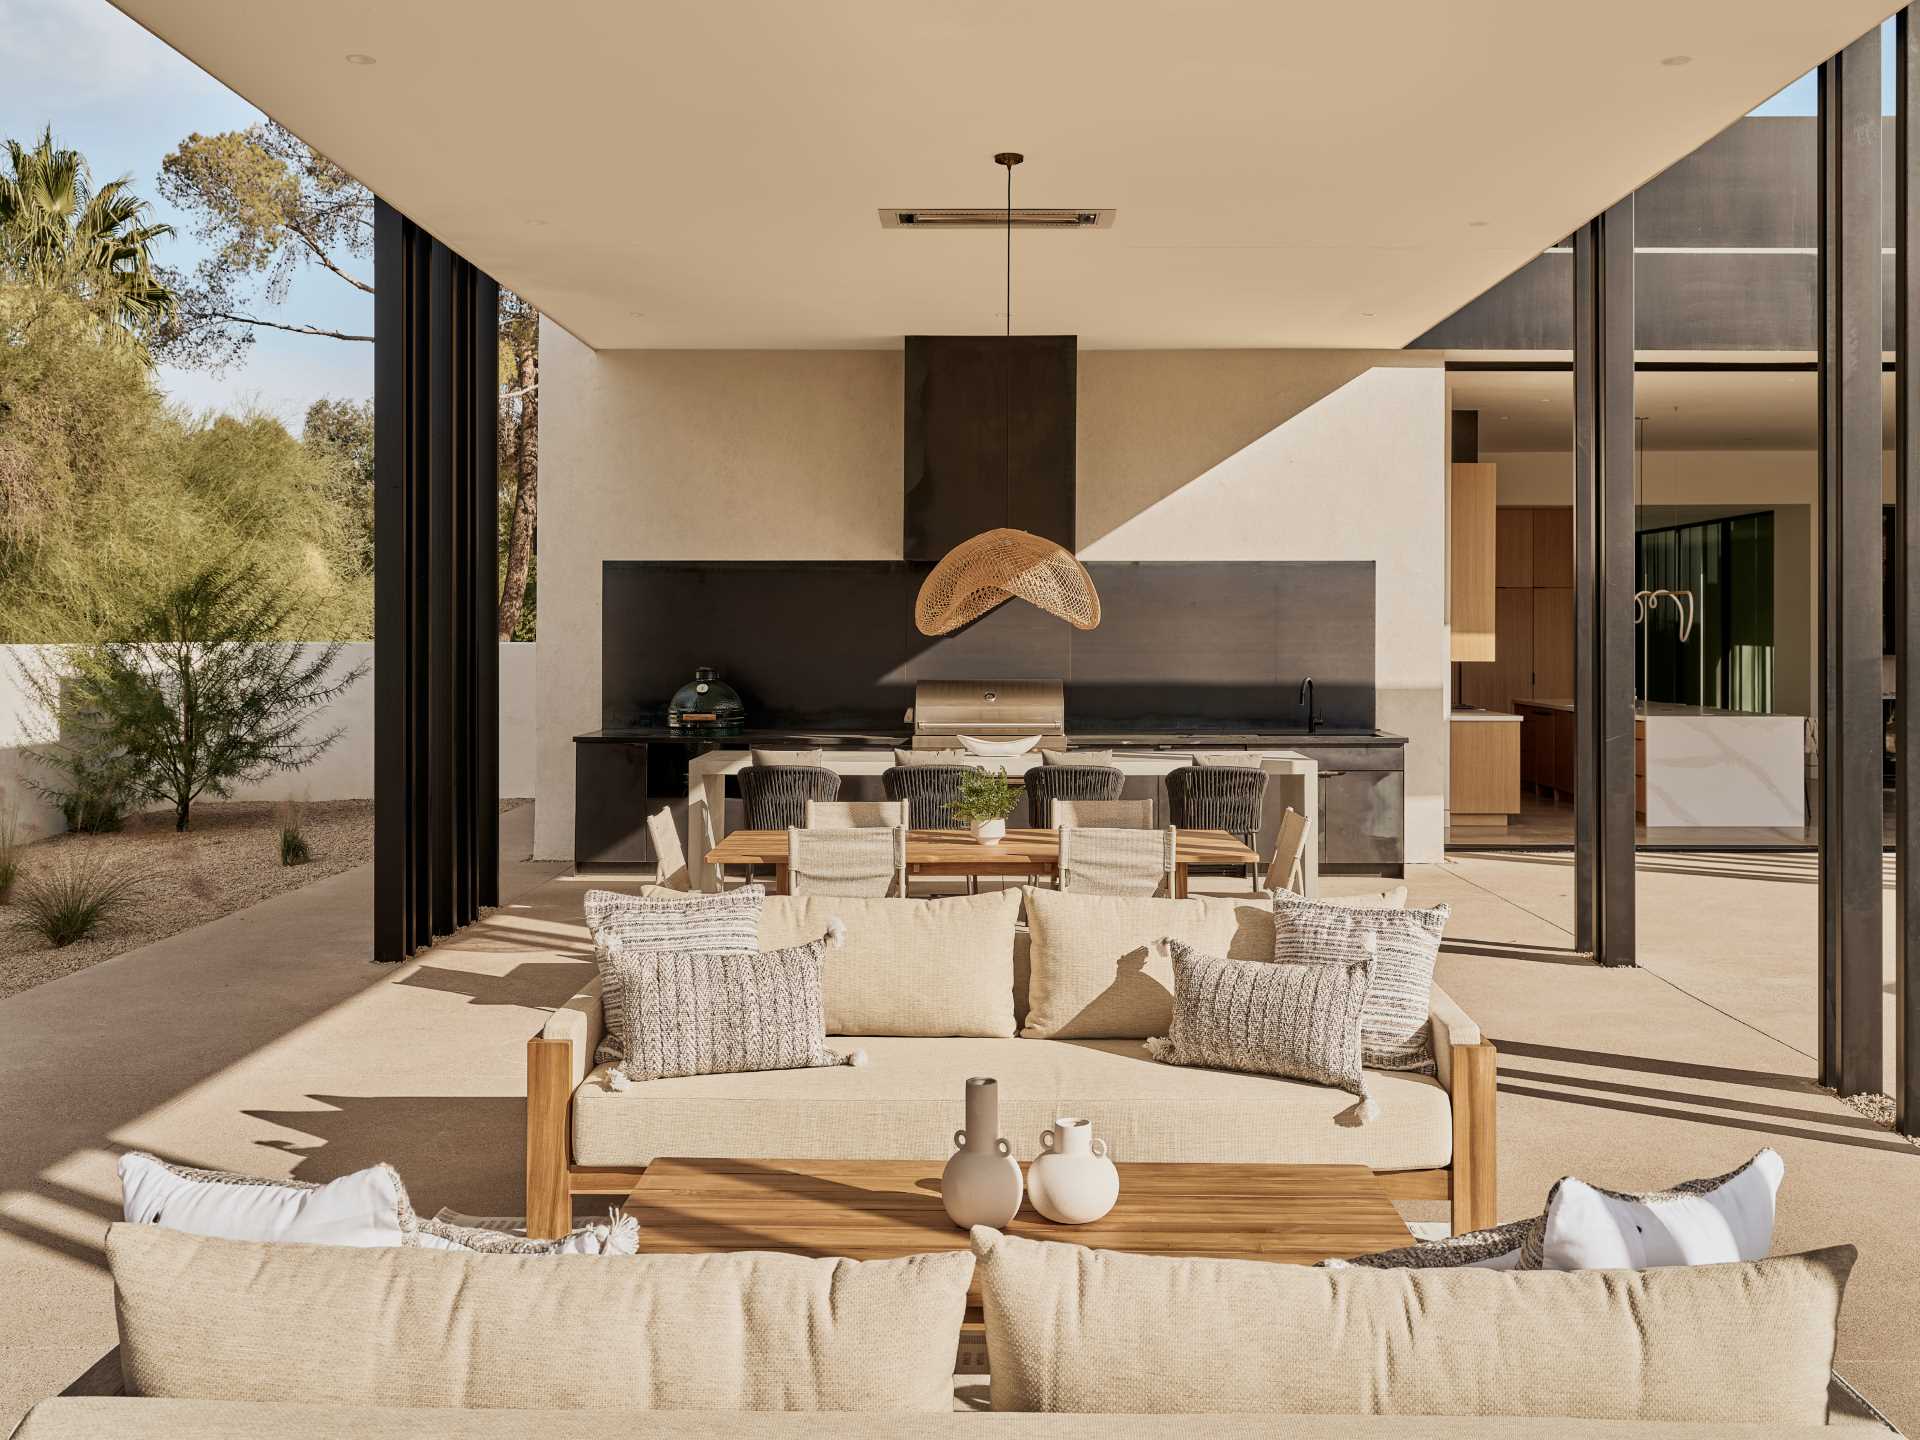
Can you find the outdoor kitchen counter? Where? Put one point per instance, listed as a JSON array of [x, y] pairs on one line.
[[1294, 784]]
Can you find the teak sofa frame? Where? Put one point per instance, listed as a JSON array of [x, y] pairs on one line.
[[553, 1180]]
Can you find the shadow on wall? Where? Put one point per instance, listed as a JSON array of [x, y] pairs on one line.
[[1152, 423]]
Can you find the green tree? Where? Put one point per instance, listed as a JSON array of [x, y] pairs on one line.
[[269, 207], [59, 235], [205, 692], [341, 431]]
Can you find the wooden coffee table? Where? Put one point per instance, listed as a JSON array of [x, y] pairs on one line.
[[879, 1209]]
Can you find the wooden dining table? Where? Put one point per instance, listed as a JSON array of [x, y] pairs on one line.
[[956, 852]]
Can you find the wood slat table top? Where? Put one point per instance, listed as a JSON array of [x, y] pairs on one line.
[[1022, 851], [880, 1209]]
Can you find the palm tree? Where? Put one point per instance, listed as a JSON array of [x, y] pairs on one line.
[[60, 234]]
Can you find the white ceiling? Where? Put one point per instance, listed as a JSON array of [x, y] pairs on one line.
[[668, 173], [1684, 410]]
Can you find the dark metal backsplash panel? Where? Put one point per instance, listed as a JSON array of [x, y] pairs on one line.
[[831, 644]]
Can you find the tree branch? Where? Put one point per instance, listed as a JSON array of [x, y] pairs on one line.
[[290, 329], [523, 390], [325, 259]]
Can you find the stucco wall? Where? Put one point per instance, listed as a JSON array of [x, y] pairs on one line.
[[698, 455], [343, 772]]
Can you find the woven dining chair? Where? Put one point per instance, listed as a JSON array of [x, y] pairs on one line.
[[856, 814], [1048, 783], [1095, 860], [1287, 869], [1112, 814], [866, 861], [929, 791], [1218, 797], [669, 859], [776, 796]]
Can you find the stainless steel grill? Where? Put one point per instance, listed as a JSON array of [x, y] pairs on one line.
[[944, 710]]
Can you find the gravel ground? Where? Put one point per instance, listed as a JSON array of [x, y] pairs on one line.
[[228, 860]]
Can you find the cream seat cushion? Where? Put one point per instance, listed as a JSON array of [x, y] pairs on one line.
[[1096, 973], [207, 1319], [907, 967], [1073, 1329], [907, 1101], [124, 1419]]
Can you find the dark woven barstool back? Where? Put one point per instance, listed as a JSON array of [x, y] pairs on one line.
[[1048, 783], [1216, 797], [776, 796], [928, 791]]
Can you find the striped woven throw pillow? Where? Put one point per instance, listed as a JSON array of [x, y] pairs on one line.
[[1396, 1034], [727, 923], [1297, 1021], [694, 1013]]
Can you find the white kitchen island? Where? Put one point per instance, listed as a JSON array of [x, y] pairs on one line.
[[1293, 784], [1700, 767]]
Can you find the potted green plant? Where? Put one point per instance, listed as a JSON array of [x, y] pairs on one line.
[[984, 804]]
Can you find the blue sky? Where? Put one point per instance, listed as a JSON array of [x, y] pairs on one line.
[[124, 100]]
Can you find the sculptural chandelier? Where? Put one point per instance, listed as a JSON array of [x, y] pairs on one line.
[[1001, 565]]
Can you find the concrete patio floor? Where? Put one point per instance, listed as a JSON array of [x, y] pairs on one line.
[[266, 1042]]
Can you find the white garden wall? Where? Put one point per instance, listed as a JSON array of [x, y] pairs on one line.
[[344, 772]]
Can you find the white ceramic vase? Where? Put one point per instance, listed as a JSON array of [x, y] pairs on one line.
[[1073, 1182], [981, 1184], [990, 832]]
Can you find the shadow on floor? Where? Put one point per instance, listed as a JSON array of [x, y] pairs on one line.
[[1891, 1144], [1849, 1121], [532, 984], [1607, 1060], [1501, 950], [458, 1150]]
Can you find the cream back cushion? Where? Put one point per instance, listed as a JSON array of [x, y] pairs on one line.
[[1072, 1329], [1095, 973], [908, 967], [233, 1320]]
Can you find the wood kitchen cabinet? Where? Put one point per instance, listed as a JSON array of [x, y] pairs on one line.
[[1532, 611], [1470, 563], [1483, 783]]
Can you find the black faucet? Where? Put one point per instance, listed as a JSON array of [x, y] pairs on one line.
[[1306, 698]]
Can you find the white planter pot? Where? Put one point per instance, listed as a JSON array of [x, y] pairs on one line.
[[1073, 1182], [989, 832]]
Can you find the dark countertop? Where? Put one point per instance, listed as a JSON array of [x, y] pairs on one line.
[[1129, 739]]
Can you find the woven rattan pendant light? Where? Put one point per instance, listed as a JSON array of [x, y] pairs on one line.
[[1001, 565]]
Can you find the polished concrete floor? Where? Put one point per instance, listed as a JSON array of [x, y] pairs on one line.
[[1545, 822], [266, 1042]]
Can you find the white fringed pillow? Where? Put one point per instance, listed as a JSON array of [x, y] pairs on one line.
[[368, 1209], [1697, 1222]]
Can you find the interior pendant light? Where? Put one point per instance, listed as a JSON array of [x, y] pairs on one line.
[[1000, 565]]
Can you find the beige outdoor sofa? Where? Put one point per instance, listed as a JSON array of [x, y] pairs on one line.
[[1433, 1139], [223, 1339]]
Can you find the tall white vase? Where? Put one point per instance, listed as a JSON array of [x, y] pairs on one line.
[[981, 1184], [1073, 1182]]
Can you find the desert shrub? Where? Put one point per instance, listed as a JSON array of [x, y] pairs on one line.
[[293, 840], [63, 900]]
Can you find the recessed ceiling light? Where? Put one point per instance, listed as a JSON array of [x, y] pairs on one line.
[[356, 58], [1476, 224], [1676, 61], [1366, 314]]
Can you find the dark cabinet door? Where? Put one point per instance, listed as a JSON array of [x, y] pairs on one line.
[[989, 438]]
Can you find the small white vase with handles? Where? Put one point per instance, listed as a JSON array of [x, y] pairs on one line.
[[981, 1184], [1073, 1182], [990, 832]]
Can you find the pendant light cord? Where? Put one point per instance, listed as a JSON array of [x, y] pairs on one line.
[[1009, 252]]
